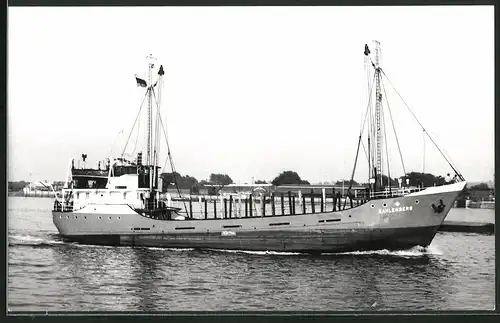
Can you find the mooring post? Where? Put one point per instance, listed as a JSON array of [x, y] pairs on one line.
[[312, 201], [190, 208], [246, 207], [282, 205], [272, 205], [263, 205], [230, 205], [322, 200], [250, 204], [239, 205], [289, 202], [206, 208]]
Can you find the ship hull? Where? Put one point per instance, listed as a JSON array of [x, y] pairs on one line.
[[340, 240], [393, 224]]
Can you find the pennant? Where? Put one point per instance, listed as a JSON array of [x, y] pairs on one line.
[[161, 72], [367, 50], [140, 82]]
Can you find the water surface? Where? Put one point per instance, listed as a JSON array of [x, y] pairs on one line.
[[46, 274]]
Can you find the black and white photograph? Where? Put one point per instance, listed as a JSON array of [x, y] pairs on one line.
[[250, 158]]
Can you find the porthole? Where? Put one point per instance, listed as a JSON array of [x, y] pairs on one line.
[[109, 217], [349, 215], [100, 218], [76, 217], [67, 216], [119, 218], [384, 205], [372, 206], [85, 217], [416, 201], [101, 195]]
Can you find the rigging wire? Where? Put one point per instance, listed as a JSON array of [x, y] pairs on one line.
[[359, 143], [394, 128], [386, 152], [432, 140], [138, 114], [137, 138], [171, 160], [114, 143], [423, 159]]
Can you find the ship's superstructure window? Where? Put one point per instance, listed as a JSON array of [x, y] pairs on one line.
[[85, 182], [416, 201], [124, 170]]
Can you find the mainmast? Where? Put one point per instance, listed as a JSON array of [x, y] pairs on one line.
[[378, 106], [149, 157]]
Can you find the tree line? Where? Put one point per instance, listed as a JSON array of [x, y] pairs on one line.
[[216, 181]]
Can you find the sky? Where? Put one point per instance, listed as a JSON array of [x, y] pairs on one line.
[[251, 91]]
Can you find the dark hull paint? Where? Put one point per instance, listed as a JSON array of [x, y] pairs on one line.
[[310, 242]]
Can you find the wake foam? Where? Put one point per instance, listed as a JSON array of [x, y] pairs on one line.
[[417, 251], [29, 240]]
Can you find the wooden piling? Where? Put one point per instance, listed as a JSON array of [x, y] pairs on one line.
[[190, 208], [206, 208], [273, 211], [312, 201], [303, 204], [250, 204], [246, 208], [289, 202], [225, 208], [230, 205], [215, 209], [263, 202], [282, 205], [293, 205], [333, 198], [322, 202]]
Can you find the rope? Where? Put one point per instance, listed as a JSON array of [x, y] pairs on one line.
[[432, 140]]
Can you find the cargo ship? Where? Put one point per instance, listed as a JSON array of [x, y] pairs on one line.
[[119, 202]]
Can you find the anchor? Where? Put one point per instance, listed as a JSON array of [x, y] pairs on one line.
[[439, 208]]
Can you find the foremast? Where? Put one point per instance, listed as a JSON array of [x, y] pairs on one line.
[[378, 129]]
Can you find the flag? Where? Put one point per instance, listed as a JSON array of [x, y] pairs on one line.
[[367, 50], [140, 82], [161, 72]]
